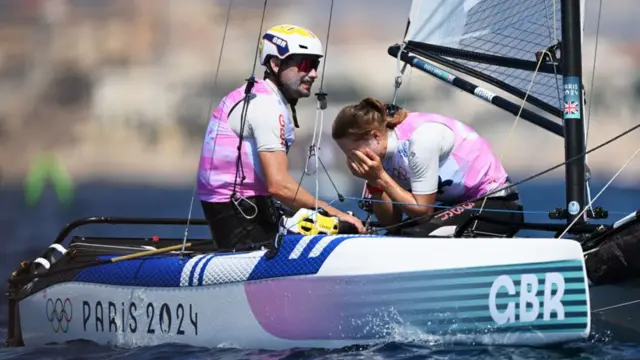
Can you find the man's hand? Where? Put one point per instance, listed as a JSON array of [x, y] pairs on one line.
[[286, 190], [351, 220]]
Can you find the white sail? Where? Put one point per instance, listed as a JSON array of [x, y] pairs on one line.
[[442, 22], [515, 29]]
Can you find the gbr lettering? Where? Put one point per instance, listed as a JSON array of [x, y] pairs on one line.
[[527, 298], [280, 42]]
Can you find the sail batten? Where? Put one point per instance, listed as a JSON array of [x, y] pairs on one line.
[[499, 39]]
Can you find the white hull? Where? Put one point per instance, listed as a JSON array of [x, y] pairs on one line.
[[326, 292]]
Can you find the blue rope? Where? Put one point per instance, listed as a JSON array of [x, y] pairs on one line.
[[478, 209]]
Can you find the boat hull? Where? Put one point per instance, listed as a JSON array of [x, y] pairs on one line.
[[325, 291]]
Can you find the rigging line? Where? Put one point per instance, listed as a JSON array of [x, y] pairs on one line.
[[602, 190], [322, 105], [317, 150], [555, 42], [213, 96], [448, 206], [326, 49], [340, 196], [587, 120], [400, 72], [408, 88], [613, 139], [515, 123], [255, 56], [318, 125], [593, 70], [326, 171], [513, 127], [236, 198], [397, 82], [555, 22], [532, 212]]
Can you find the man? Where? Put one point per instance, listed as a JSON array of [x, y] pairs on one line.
[[243, 164]]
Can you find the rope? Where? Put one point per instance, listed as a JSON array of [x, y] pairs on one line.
[[513, 127], [532, 212], [318, 123], [515, 123], [587, 120], [593, 71], [397, 81], [326, 49], [243, 121], [213, 95], [615, 138], [316, 137], [601, 191]]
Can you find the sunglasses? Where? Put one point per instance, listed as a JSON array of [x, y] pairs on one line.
[[306, 64]]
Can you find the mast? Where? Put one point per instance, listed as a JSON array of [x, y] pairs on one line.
[[463, 35], [573, 117]]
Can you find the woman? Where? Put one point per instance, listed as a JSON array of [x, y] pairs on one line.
[[415, 159]]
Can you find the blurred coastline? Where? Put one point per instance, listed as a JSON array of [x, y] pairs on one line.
[[121, 89]]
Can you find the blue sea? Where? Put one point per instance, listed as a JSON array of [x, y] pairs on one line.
[[27, 230]]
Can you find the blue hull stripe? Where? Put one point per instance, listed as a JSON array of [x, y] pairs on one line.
[[202, 270], [280, 265], [194, 267], [166, 271]]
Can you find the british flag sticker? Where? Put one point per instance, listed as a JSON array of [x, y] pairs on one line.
[[571, 108], [571, 102]]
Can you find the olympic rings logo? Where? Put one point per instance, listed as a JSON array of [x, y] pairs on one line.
[[59, 314]]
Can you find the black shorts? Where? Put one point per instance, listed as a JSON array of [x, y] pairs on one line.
[[505, 209], [231, 229]]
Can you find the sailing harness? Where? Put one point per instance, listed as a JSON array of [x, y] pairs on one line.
[[322, 105], [248, 95]]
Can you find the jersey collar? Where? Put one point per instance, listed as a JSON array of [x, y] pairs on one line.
[[392, 144], [276, 91]]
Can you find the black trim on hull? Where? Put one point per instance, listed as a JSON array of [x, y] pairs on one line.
[[612, 256]]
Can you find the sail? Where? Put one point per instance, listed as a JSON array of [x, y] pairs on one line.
[[497, 41]]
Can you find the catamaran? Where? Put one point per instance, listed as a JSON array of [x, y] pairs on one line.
[[334, 290]]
